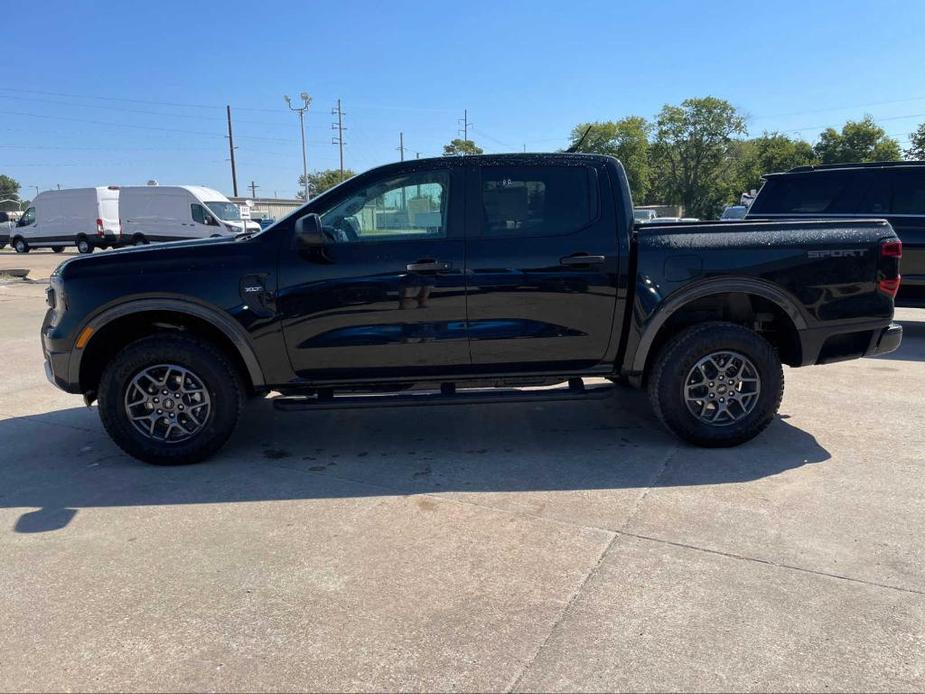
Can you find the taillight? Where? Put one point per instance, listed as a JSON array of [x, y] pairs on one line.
[[99, 227], [891, 252]]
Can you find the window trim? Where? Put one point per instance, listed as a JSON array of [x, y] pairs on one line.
[[595, 205]]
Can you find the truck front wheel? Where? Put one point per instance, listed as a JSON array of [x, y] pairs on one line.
[[717, 384], [170, 399]]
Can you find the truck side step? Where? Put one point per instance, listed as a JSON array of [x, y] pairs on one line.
[[575, 389]]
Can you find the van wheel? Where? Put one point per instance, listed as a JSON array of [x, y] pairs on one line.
[[20, 245], [139, 240], [57, 249], [717, 384], [170, 399], [84, 245]]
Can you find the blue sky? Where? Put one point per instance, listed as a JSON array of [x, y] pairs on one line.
[[98, 93]]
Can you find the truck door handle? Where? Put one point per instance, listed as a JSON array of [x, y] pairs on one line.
[[582, 259], [427, 265]]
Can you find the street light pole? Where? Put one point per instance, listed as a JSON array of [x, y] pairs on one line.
[[306, 102]]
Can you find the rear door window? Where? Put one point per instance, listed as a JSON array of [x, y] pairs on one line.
[[909, 192], [812, 193], [537, 200]]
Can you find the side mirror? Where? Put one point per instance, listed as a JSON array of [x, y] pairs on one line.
[[308, 231]]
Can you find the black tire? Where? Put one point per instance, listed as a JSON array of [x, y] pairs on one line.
[[218, 376], [57, 249], [84, 245], [20, 245], [668, 383], [139, 240]]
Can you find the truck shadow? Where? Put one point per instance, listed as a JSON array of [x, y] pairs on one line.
[[61, 462]]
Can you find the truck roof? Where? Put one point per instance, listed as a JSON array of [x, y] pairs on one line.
[[533, 158], [849, 166]]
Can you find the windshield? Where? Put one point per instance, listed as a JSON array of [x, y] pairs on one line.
[[226, 211], [737, 212]]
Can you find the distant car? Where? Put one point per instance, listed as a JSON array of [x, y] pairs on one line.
[[733, 212], [643, 216], [663, 220], [690, 219], [266, 222]]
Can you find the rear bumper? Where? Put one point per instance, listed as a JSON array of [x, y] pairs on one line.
[[888, 340], [848, 341]]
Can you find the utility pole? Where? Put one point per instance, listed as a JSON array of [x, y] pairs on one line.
[[339, 140], [306, 102], [234, 173], [253, 186], [464, 130], [401, 145]]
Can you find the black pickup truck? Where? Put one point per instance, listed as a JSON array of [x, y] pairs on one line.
[[466, 279]]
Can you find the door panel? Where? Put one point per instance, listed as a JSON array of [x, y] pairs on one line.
[[385, 296], [543, 267]]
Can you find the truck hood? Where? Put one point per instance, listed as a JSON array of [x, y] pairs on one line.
[[172, 254]]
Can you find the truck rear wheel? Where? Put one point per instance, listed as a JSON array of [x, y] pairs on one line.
[[84, 245], [170, 399], [717, 384]]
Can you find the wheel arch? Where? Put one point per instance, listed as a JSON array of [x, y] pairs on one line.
[[119, 325], [729, 295]]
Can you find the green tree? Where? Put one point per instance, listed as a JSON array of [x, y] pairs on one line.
[[916, 148], [9, 188], [320, 181], [858, 141], [626, 139], [693, 154], [769, 153], [460, 147]]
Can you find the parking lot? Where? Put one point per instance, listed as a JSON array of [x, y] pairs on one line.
[[527, 547]]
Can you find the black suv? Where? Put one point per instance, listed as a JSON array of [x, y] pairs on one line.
[[894, 191]]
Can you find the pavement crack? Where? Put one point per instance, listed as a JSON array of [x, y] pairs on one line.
[[563, 613], [769, 562]]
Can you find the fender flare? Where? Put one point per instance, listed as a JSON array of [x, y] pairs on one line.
[[216, 318], [720, 285]]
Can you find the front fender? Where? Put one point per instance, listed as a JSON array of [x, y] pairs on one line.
[[214, 316]]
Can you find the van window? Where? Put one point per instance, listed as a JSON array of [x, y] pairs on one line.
[[199, 213], [27, 218], [814, 193], [537, 200], [909, 192]]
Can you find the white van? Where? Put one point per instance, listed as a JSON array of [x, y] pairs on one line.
[[84, 217], [170, 213]]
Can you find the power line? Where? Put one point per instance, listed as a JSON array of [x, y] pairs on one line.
[[137, 127]]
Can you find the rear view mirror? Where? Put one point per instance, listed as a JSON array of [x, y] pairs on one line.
[[308, 231]]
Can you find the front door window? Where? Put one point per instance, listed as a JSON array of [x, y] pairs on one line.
[[405, 208]]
